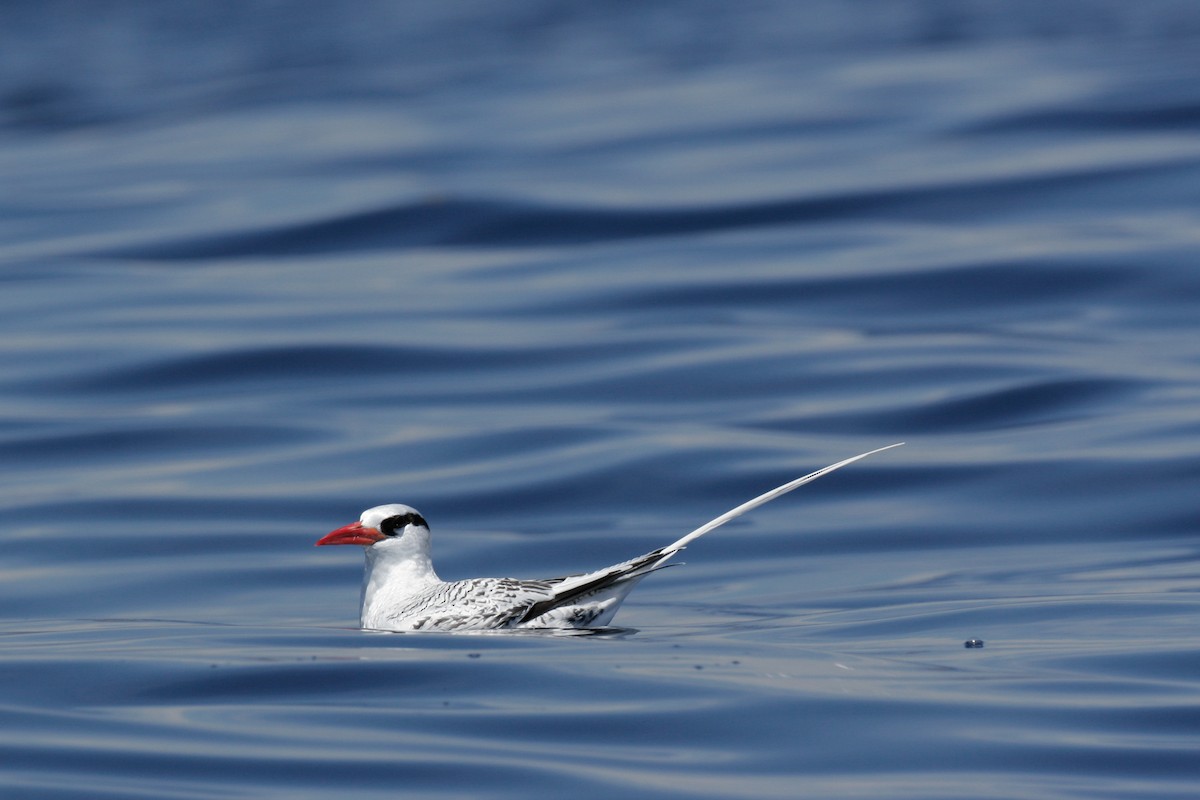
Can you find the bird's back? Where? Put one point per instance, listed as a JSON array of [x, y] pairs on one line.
[[474, 604]]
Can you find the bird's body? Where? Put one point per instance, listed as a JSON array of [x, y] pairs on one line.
[[402, 592]]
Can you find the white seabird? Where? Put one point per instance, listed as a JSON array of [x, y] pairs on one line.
[[401, 591]]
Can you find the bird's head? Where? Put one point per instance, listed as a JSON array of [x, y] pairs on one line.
[[378, 525]]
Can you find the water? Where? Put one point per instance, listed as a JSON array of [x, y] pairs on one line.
[[572, 281]]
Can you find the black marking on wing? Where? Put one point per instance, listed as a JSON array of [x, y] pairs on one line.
[[633, 568], [477, 603]]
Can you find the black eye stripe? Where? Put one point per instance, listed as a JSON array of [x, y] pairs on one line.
[[393, 526]]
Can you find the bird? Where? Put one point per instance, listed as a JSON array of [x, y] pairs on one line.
[[402, 592]]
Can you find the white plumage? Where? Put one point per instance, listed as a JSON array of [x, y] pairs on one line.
[[402, 592]]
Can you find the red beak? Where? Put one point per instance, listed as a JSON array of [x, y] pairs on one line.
[[354, 533]]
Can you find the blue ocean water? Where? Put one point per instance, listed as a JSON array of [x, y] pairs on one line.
[[573, 280]]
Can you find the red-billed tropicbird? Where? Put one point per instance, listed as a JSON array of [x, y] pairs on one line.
[[401, 592]]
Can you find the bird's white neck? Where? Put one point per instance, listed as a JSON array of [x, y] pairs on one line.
[[396, 569]]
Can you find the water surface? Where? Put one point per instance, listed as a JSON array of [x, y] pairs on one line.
[[572, 282]]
